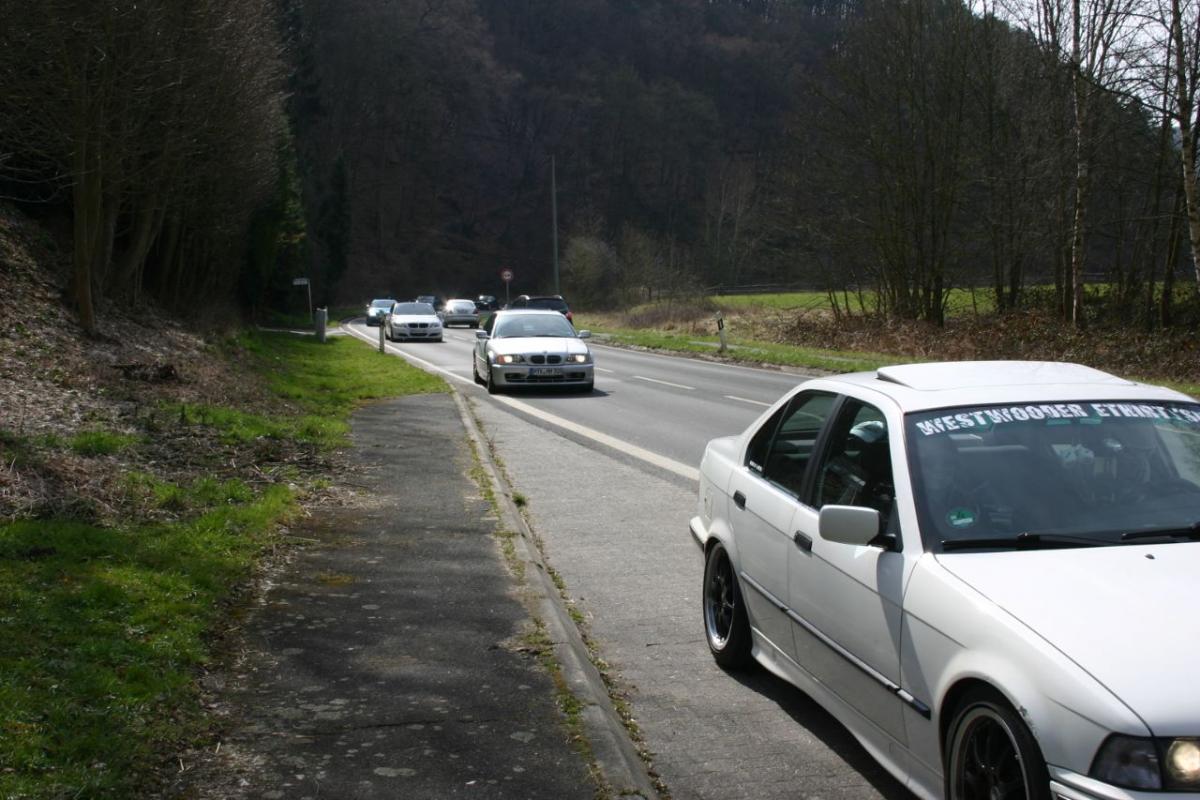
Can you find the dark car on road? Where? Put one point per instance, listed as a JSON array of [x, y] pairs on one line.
[[549, 302], [377, 310]]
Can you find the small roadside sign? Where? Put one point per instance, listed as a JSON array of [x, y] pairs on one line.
[[506, 275], [299, 281]]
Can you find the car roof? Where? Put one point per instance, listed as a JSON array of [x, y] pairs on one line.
[[527, 312], [918, 387]]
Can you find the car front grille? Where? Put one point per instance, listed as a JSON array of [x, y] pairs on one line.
[[562, 377], [545, 359]]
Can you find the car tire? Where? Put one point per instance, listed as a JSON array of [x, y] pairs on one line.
[[491, 383], [726, 626], [475, 372], [991, 751], [587, 388], [439, 339]]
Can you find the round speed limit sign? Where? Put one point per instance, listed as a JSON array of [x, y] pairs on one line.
[[506, 275]]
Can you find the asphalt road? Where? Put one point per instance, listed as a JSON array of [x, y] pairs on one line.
[[610, 507], [667, 406]]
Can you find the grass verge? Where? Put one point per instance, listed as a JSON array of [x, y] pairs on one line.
[[103, 629], [747, 350]]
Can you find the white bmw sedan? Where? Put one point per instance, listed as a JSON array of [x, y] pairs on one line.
[[525, 347], [413, 321], [988, 571]]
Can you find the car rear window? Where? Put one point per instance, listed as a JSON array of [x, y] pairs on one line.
[[552, 303]]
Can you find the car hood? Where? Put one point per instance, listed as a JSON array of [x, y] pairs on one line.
[[538, 344], [404, 319], [1125, 614]]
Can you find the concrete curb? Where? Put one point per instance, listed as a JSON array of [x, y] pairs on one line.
[[616, 757]]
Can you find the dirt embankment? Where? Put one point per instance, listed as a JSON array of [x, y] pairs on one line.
[[129, 380]]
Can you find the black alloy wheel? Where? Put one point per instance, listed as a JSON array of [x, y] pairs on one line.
[[992, 754], [725, 623]]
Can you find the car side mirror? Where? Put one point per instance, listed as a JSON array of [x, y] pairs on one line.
[[584, 334], [854, 525], [481, 334]]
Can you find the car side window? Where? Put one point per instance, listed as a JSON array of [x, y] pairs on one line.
[[783, 446], [856, 469], [490, 324]]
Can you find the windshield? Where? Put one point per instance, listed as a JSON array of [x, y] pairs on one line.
[[533, 325], [382, 303], [413, 308], [1103, 472]]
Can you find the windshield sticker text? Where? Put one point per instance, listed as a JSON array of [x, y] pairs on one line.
[[987, 418]]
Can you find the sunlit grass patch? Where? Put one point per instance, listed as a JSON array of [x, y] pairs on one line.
[[334, 377], [326, 380], [752, 351], [100, 442], [102, 631]]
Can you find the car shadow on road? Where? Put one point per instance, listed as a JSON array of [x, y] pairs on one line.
[[554, 391], [821, 724]]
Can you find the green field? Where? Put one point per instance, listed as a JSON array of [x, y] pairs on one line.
[[104, 628], [960, 301]]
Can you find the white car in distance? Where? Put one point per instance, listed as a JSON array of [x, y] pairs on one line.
[[413, 321], [987, 571]]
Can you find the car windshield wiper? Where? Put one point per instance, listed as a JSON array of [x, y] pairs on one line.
[[1191, 532], [1022, 541]]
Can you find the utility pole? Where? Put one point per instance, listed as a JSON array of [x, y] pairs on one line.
[[554, 221]]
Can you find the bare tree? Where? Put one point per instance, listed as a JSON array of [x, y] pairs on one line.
[[1093, 40]]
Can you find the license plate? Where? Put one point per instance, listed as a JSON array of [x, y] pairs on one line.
[[541, 372]]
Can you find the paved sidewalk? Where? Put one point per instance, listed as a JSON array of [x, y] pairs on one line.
[[389, 658]]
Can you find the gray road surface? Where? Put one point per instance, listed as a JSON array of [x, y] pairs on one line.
[[615, 530]]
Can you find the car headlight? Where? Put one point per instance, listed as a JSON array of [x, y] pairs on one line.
[[1183, 764], [508, 359], [1154, 764], [577, 358]]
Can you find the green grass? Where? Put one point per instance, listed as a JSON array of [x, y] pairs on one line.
[[103, 629], [304, 321], [748, 350], [327, 381], [100, 443], [960, 301]]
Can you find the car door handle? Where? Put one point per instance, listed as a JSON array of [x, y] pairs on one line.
[[739, 499], [802, 541]]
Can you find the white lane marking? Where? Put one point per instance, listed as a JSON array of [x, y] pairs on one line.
[[662, 462], [602, 369], [747, 400], [664, 383], [427, 364], [800, 376]]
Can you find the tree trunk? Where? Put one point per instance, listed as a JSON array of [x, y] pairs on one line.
[[86, 201]]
